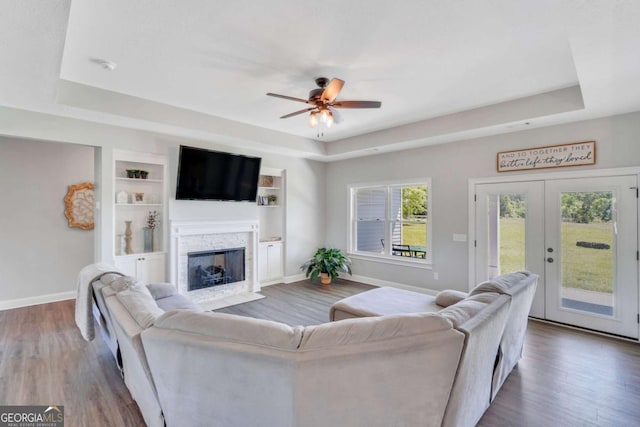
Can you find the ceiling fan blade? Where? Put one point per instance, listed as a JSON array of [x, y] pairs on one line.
[[297, 112], [332, 90], [337, 117], [357, 104], [290, 98]]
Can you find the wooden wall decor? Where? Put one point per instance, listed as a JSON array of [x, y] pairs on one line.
[[550, 156], [79, 206]]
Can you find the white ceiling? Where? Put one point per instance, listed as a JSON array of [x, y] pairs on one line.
[[443, 70]]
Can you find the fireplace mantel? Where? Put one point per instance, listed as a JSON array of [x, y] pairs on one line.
[[191, 236]]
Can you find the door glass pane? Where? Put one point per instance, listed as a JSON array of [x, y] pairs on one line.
[[506, 215], [587, 238]]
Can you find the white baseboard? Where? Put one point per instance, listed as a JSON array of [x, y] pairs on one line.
[[41, 299], [378, 282], [285, 279], [270, 283], [294, 278]]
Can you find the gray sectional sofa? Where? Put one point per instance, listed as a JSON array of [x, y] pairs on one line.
[[430, 368]]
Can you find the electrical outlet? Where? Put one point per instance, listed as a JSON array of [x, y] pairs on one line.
[[435, 276]]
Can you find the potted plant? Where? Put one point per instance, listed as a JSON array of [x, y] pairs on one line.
[[326, 263], [272, 199]]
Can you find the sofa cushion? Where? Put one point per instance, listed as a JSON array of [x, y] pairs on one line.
[[371, 329], [500, 284], [123, 282], [177, 302], [161, 290], [464, 310], [108, 278], [137, 300], [449, 297], [232, 328]]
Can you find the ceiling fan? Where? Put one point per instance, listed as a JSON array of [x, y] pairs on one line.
[[323, 102]]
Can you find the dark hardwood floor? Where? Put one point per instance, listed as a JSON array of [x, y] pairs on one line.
[[566, 377], [302, 303]]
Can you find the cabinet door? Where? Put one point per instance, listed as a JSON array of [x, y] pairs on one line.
[[263, 263], [146, 268], [151, 268], [127, 265], [274, 255]]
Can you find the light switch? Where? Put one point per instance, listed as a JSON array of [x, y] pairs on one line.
[[459, 237]]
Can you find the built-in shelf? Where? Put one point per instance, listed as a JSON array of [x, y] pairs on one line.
[[271, 184], [135, 200], [138, 204], [136, 180]]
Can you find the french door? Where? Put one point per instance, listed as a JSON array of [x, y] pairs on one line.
[[509, 220], [579, 235]]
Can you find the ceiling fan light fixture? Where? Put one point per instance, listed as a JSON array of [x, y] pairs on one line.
[[313, 119], [322, 104], [329, 121], [324, 115]]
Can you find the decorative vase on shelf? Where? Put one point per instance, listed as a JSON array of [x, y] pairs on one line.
[[120, 244], [148, 239], [127, 238]]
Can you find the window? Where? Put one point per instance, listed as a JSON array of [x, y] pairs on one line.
[[391, 220]]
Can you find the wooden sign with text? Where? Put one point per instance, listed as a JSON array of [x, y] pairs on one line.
[[551, 156]]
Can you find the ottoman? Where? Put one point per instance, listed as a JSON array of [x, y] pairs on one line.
[[383, 301]]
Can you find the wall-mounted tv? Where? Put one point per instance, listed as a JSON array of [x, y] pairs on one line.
[[215, 175]]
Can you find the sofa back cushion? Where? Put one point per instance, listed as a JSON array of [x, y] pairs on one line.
[[371, 329], [466, 309], [137, 300], [232, 328], [161, 290], [123, 282], [504, 284]]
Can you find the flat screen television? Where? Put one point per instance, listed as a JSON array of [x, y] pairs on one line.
[[216, 175]]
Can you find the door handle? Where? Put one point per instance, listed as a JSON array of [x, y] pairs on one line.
[[549, 259]]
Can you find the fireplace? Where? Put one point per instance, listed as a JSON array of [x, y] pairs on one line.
[[215, 268], [191, 242]]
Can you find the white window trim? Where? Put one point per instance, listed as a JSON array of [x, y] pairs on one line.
[[390, 259]]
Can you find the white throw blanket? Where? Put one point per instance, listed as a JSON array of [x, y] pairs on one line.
[[84, 296]]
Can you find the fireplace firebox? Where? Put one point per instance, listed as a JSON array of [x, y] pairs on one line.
[[215, 268]]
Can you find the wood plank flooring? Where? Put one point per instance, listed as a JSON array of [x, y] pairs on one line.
[[566, 378], [302, 303]]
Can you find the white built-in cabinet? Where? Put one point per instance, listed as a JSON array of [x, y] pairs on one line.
[[140, 189], [270, 261], [148, 268], [271, 209]]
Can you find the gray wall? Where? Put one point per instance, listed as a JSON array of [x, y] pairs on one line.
[[305, 192], [304, 199], [39, 253], [451, 166]]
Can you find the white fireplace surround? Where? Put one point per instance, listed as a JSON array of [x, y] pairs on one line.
[[195, 236]]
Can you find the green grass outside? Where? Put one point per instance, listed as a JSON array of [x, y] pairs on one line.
[[414, 234], [582, 268], [511, 245]]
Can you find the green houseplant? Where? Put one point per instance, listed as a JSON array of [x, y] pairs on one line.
[[327, 263]]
